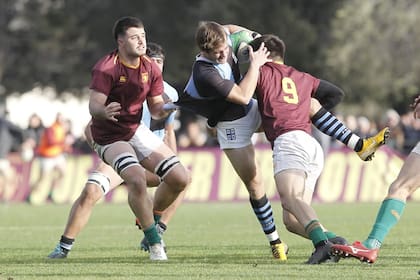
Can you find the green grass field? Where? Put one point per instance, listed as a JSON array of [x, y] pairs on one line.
[[204, 241]]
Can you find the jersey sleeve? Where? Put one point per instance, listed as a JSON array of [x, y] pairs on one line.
[[170, 92], [315, 82], [171, 118], [328, 94], [101, 81]]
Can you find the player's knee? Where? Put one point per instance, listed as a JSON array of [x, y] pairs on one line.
[[251, 180], [173, 173], [90, 194], [135, 183], [137, 188], [178, 179]]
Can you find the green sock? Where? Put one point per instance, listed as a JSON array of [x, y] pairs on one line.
[[315, 232], [157, 217], [152, 235], [330, 234], [388, 216]]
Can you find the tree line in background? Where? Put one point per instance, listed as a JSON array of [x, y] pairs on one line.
[[369, 48]]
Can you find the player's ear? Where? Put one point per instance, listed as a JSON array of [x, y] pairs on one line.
[[120, 41]]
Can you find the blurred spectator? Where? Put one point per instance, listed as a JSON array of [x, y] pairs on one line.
[[193, 135], [411, 130], [69, 136], [351, 123], [194, 131], [81, 145], [364, 127], [11, 136], [33, 134], [35, 128], [51, 154], [393, 120]]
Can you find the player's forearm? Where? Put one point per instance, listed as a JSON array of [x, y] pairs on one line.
[[97, 105], [249, 83], [97, 111], [157, 112]]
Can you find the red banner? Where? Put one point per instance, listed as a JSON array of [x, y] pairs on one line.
[[345, 178]]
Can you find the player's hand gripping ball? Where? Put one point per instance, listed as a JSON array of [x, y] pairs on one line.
[[240, 40]]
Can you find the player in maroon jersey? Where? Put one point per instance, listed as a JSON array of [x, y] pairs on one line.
[[121, 82], [287, 108]]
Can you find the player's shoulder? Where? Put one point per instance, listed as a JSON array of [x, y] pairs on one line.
[[203, 69], [107, 62], [148, 65], [108, 59]]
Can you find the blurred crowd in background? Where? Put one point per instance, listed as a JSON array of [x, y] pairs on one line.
[[192, 131]]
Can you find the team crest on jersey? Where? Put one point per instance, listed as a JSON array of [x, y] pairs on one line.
[[144, 77], [230, 134], [123, 79]]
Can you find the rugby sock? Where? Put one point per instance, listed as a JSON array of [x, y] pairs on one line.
[[66, 243], [161, 227], [157, 215], [388, 216], [315, 233], [264, 212], [330, 125], [152, 235], [330, 234]]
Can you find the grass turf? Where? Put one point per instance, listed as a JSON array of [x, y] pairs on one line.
[[205, 241]]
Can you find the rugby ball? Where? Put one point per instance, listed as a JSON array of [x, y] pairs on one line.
[[240, 40]]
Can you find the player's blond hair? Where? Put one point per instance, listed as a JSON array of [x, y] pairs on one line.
[[209, 35]]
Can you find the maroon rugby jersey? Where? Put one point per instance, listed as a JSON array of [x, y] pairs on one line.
[[128, 86], [284, 99]]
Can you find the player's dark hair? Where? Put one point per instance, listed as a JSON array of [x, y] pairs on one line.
[[273, 44], [122, 24], [155, 50], [209, 35]]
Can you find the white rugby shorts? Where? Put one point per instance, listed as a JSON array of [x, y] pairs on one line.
[[238, 133], [299, 150], [144, 143]]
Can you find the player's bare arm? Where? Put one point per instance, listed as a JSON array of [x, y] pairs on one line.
[[242, 93], [98, 109], [156, 107]]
